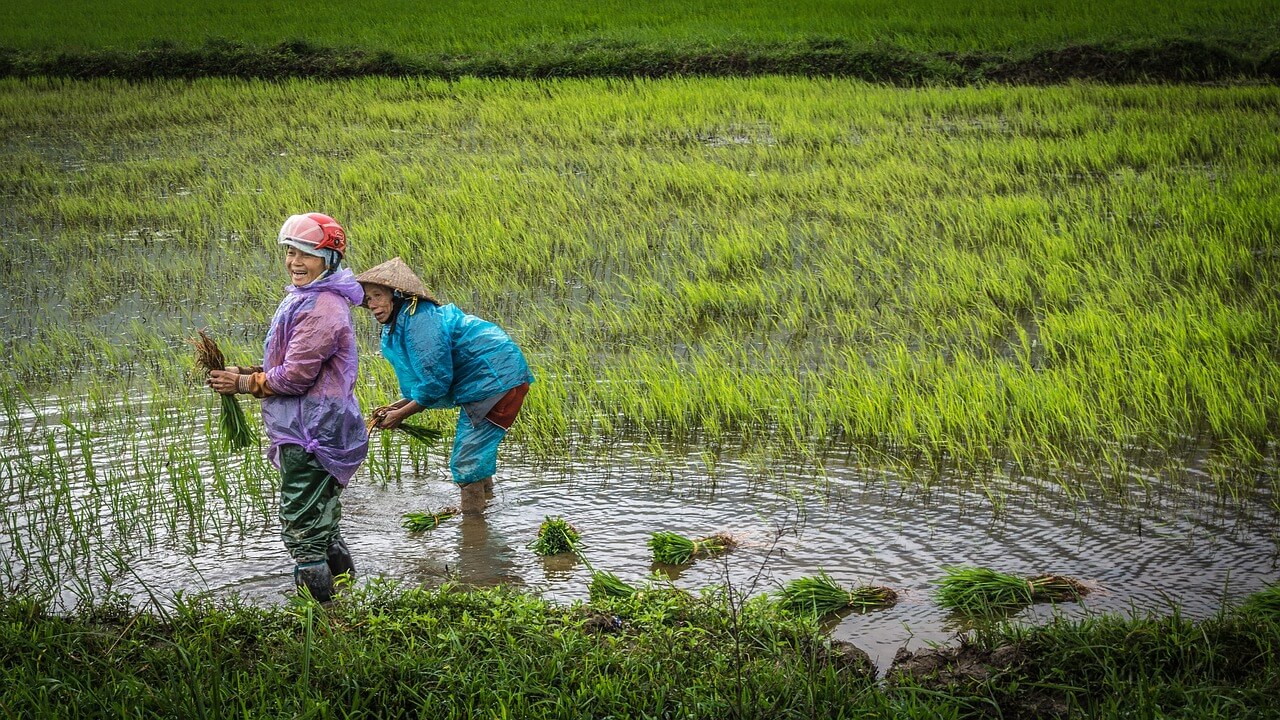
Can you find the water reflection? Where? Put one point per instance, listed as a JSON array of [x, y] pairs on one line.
[[485, 558]]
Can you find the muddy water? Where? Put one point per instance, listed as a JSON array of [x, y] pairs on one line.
[[1167, 545]]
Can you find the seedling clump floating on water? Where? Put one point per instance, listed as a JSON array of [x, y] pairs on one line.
[[556, 536], [674, 549], [821, 595], [237, 434], [423, 521], [977, 590]]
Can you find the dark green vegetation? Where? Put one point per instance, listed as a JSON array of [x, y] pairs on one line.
[[909, 41], [454, 653]]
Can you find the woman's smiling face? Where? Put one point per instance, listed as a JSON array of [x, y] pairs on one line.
[[302, 267]]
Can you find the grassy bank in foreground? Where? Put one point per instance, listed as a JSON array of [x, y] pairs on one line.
[[1069, 275], [454, 654]]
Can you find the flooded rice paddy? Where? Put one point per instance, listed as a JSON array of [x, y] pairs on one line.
[[144, 507]]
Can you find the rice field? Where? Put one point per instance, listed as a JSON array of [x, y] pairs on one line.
[[501, 25], [1078, 279], [743, 300]]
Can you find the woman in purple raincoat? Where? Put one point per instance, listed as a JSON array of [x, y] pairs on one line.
[[307, 385]]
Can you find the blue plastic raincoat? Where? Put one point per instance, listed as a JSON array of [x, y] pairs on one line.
[[446, 358]]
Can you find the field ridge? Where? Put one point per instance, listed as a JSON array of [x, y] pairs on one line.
[[1173, 59]]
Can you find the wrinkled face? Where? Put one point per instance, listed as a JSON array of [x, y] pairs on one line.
[[378, 299], [302, 267]]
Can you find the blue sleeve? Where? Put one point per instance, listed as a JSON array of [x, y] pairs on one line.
[[430, 350]]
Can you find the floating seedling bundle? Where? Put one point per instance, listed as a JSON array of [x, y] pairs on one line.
[[235, 430], [674, 549], [423, 521], [978, 590], [820, 595], [555, 537]]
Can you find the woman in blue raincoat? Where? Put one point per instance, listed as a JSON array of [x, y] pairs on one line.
[[445, 358], [307, 385]]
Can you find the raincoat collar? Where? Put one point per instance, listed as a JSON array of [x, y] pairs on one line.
[[342, 282]]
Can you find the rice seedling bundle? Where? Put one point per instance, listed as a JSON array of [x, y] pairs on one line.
[[979, 590], [236, 431], [426, 436], [820, 595], [423, 521], [1055, 588], [555, 537], [607, 585], [674, 549]]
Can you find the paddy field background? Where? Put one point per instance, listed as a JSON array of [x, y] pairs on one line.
[[875, 331]]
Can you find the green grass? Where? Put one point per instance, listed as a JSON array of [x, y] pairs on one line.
[[388, 653], [480, 27]]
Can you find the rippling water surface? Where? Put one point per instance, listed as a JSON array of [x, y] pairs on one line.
[[1166, 545]]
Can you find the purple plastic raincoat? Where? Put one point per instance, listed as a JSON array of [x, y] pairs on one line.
[[311, 363]]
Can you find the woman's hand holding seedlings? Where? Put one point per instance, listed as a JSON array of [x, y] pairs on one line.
[[389, 417], [224, 381]]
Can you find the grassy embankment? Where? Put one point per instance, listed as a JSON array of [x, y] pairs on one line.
[[913, 41], [453, 653]]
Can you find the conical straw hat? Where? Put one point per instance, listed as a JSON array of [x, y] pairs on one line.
[[397, 276]]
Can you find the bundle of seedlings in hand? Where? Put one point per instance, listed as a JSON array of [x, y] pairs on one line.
[[555, 536], [607, 585], [420, 521], [673, 549], [426, 436], [977, 590], [237, 434], [821, 595]]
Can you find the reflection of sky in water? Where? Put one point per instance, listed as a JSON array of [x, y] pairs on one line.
[[859, 526]]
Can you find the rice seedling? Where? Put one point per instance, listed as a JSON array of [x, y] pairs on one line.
[[423, 435], [423, 521], [820, 595], [237, 433], [605, 584], [674, 549], [977, 590], [556, 536]]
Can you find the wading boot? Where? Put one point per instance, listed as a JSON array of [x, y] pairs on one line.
[[488, 487], [316, 578], [339, 558], [472, 502]]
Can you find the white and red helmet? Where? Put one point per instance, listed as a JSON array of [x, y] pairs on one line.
[[313, 233]]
